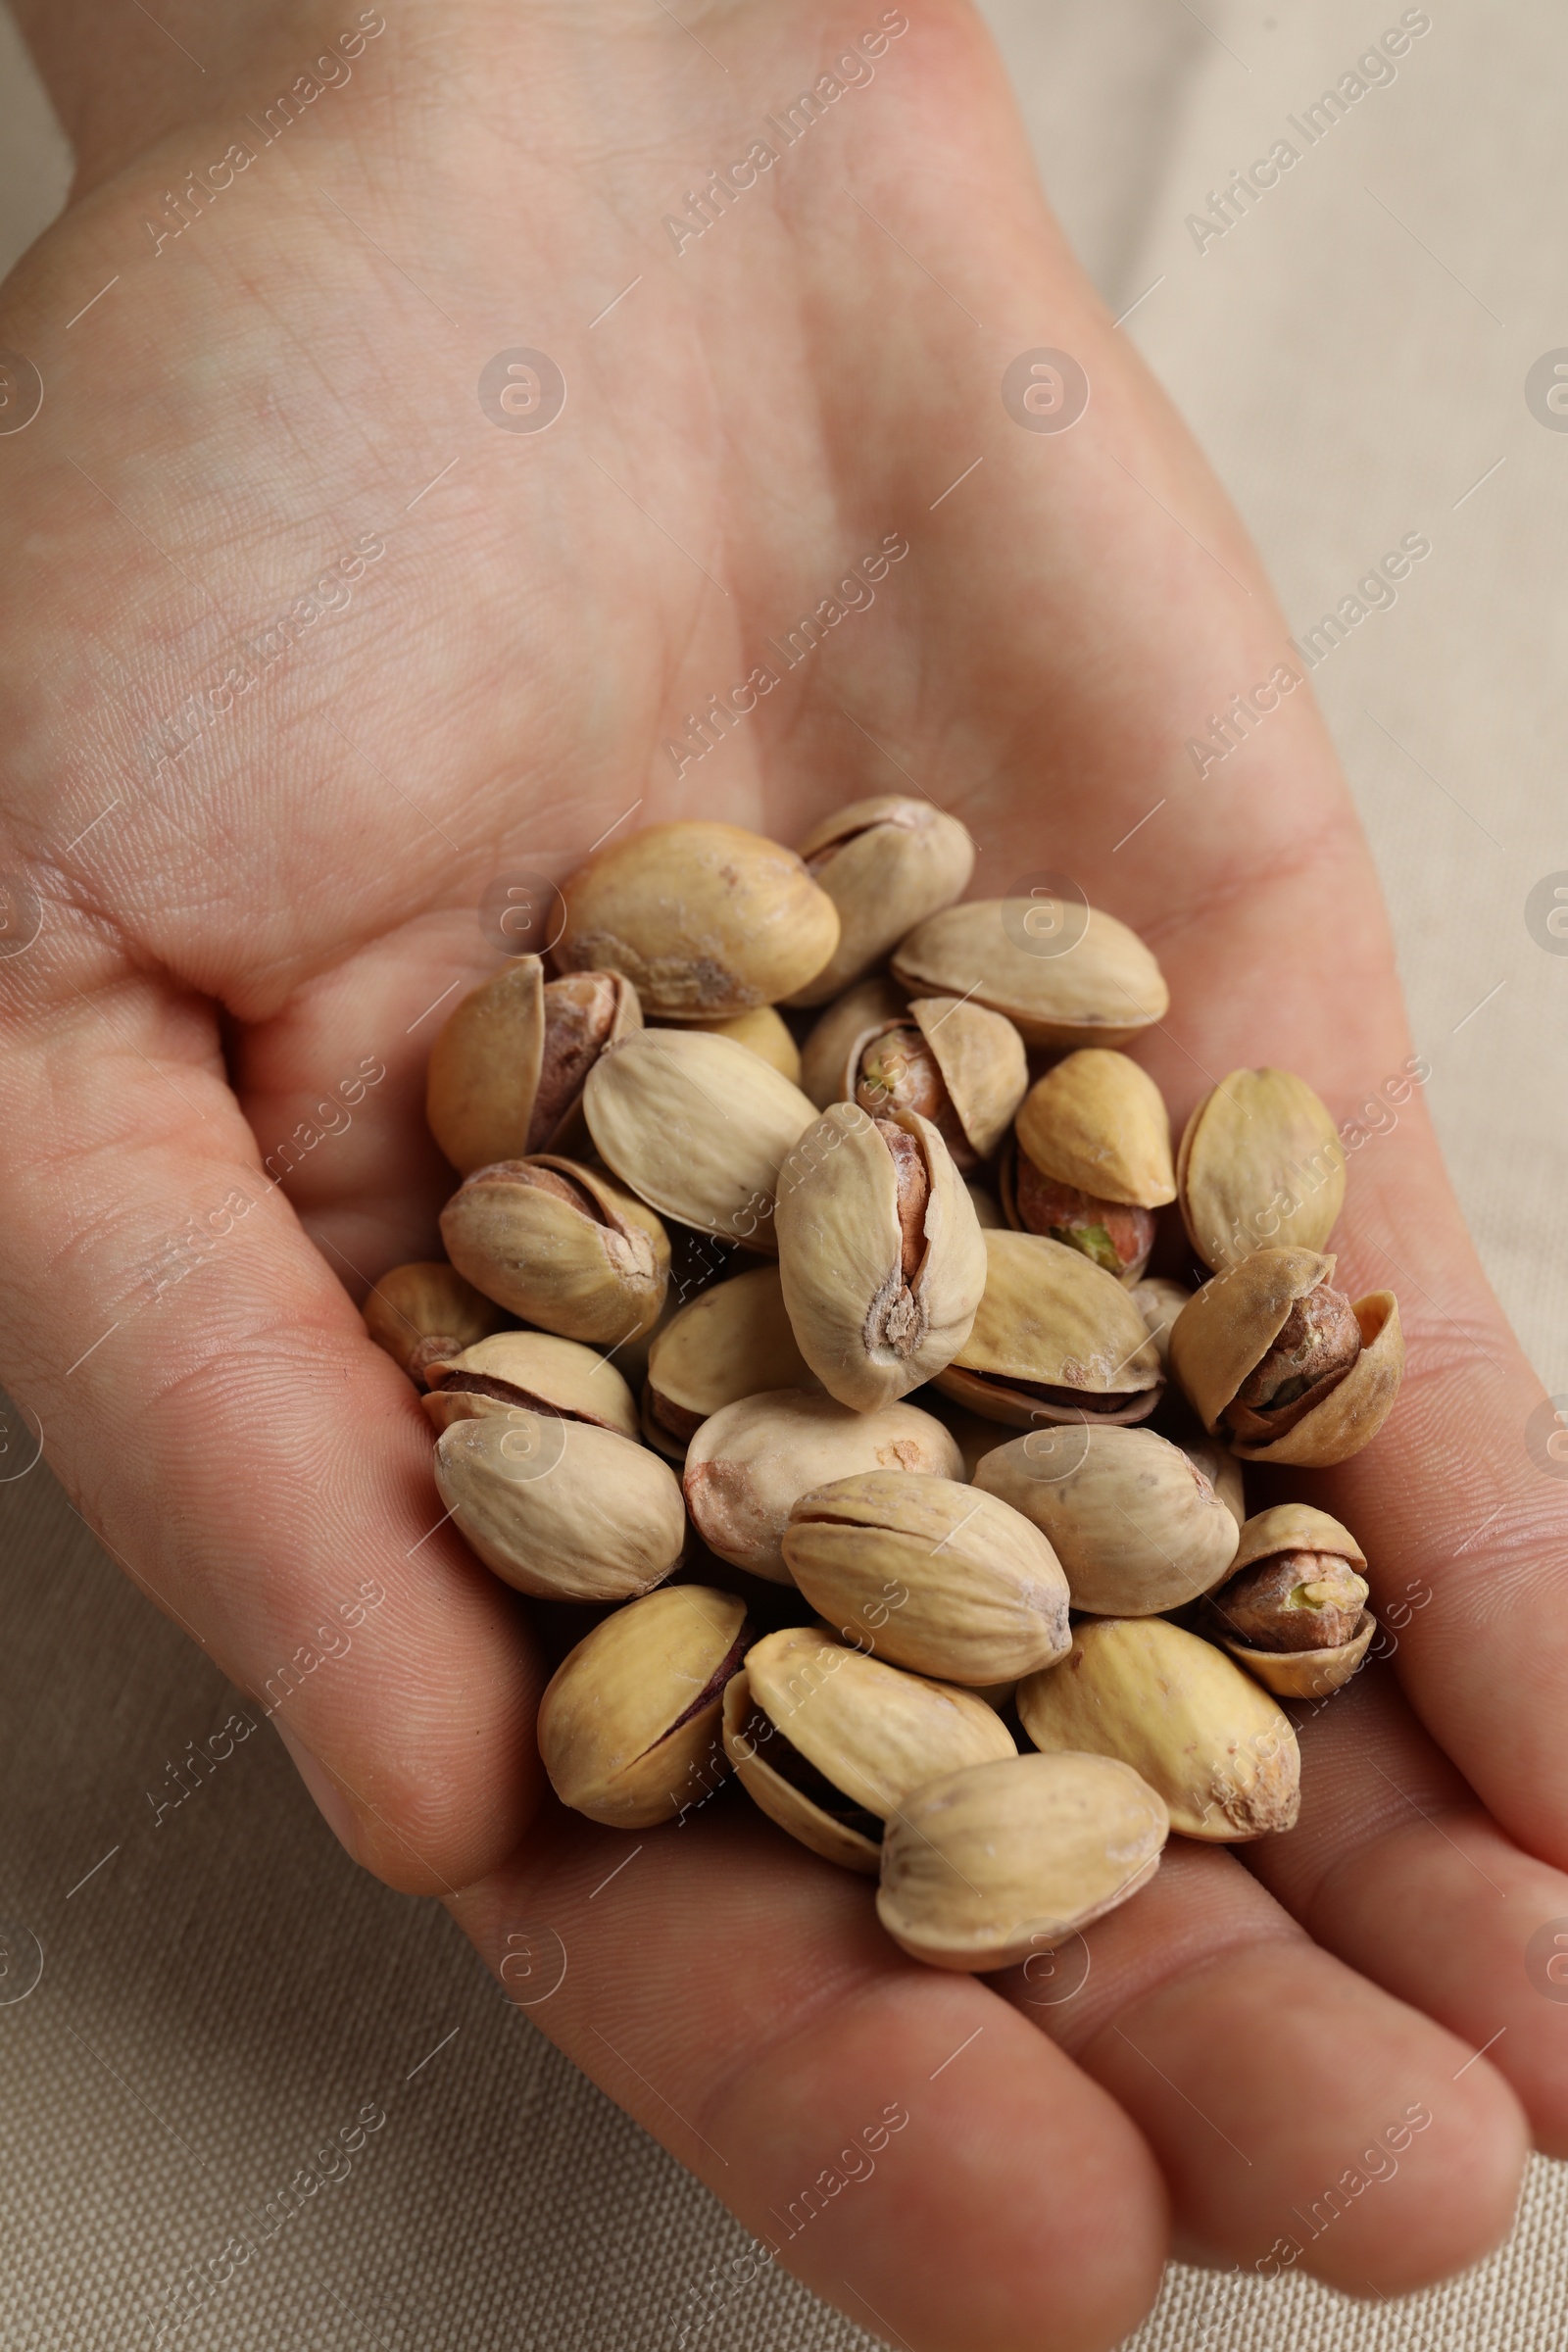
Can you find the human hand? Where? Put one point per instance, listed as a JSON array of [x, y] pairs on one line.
[[230, 932]]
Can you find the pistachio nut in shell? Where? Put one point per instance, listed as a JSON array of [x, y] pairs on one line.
[[1307, 1673], [1136, 1525], [535, 1370], [985, 1867], [732, 1341], [562, 1245], [870, 1004], [630, 1724], [1271, 1337], [1160, 1301], [704, 919], [1055, 1338], [830, 1743], [1187, 1720], [750, 1464], [1099, 1121], [763, 1032], [886, 863], [934, 1575], [1261, 1164], [698, 1126], [1291, 1608], [484, 1068], [1111, 1235], [1104, 989], [880, 1253], [563, 1509], [425, 1309], [958, 1066]]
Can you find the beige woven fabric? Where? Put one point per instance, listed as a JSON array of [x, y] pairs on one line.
[[220, 1991]]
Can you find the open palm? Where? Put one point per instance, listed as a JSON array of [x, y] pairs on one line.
[[305, 646]]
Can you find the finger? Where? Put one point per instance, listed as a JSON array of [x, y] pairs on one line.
[[1394, 1867], [209, 1395], [1278, 2088], [895, 2135]]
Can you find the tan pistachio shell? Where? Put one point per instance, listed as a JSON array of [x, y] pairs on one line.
[[886, 863], [702, 918], [729, 1342], [1187, 1720], [935, 1575], [986, 1867], [531, 1368], [599, 1277], [1261, 1166], [697, 1125], [1229, 1326], [1098, 1121], [485, 1068], [869, 1005], [629, 1724], [871, 1729], [1224, 1474], [763, 1032], [1160, 1301], [1136, 1525], [1307, 1673], [867, 1334], [1104, 989], [1295, 1527], [1051, 1317], [983, 1064], [750, 1464], [561, 1509], [425, 1309]]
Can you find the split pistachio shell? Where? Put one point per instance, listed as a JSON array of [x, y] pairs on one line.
[[824, 1058], [506, 1072], [868, 1732], [1295, 1527], [704, 919], [1307, 1673], [534, 1369], [698, 1126], [1232, 1322], [559, 1244], [763, 1032], [1055, 1336], [986, 1867], [1160, 1301], [629, 1724], [937, 1576], [561, 1509], [1261, 1165], [1299, 1673], [982, 1060], [749, 1465], [1136, 1525], [425, 1309], [1105, 988], [886, 863], [869, 1330], [729, 1342], [1190, 1723], [1099, 1122]]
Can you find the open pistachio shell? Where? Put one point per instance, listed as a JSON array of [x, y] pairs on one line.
[[534, 1369], [1098, 1121], [629, 1724], [983, 1066], [729, 1342], [824, 1058], [698, 1126], [763, 1032], [1104, 989], [1295, 1527], [1186, 1719], [1261, 1166], [561, 1509], [934, 1575], [559, 1244], [748, 1466], [868, 1733], [1307, 1673], [425, 1309], [704, 919], [870, 1328], [987, 1867], [1229, 1326], [506, 1072], [1136, 1525], [1055, 1338], [886, 863]]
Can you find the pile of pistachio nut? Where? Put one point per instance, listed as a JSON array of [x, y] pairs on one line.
[[794, 1324]]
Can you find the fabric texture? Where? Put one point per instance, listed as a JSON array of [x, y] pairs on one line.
[[226, 2006]]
